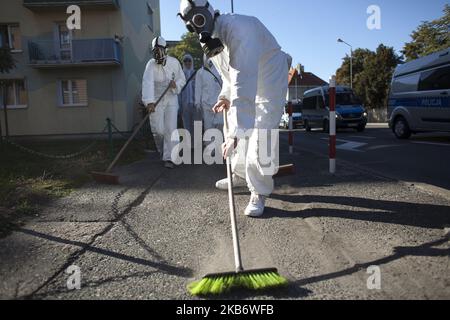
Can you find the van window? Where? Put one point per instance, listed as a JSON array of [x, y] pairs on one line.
[[345, 99], [437, 79], [309, 103], [320, 102], [405, 84]]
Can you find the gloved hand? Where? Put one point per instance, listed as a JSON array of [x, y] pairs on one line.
[[221, 105], [229, 146], [151, 107]]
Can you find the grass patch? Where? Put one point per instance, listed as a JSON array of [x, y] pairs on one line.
[[28, 182]]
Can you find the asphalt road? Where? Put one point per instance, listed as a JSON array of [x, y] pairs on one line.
[[161, 229], [425, 158]]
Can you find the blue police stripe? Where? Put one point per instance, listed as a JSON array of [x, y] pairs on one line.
[[422, 102]]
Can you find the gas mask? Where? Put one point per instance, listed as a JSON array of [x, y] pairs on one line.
[[159, 50], [201, 21], [160, 55]]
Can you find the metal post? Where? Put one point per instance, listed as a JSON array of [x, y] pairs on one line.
[[110, 138], [291, 128], [351, 67], [332, 106], [5, 109], [232, 6]]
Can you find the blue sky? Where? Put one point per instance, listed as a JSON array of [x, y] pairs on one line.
[[308, 29]]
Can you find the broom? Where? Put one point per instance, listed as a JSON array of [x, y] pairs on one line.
[[259, 279]]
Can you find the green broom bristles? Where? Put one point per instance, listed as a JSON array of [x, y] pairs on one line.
[[215, 285]]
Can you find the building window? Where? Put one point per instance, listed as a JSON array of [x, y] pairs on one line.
[[150, 14], [16, 94], [73, 93], [10, 37]]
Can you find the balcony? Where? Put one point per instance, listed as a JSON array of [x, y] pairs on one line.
[[79, 52], [58, 4]]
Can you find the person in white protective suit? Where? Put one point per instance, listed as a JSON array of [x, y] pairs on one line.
[[160, 72], [254, 71], [187, 97], [208, 85]]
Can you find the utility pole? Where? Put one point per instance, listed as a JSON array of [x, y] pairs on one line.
[[232, 6], [351, 61]]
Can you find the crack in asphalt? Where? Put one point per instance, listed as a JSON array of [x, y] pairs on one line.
[[88, 247]]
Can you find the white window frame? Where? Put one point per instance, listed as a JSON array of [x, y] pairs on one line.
[[61, 94], [8, 26], [15, 106]]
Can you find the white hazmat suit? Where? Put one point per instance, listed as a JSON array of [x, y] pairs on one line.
[[254, 71], [163, 121], [208, 85]]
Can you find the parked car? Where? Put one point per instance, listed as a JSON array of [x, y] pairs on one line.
[[350, 113], [297, 117], [419, 100]]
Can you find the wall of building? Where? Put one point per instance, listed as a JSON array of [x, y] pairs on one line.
[[138, 35]]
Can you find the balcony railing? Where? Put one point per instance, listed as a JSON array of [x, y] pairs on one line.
[[49, 4], [79, 52]]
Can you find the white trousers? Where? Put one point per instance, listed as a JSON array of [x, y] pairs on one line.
[[164, 123], [269, 104]]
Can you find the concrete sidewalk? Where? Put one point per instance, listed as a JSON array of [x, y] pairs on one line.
[[159, 230]]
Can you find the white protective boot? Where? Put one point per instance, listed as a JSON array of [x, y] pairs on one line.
[[256, 206], [238, 182]]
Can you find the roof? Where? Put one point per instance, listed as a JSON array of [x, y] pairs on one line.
[[433, 60], [307, 79]]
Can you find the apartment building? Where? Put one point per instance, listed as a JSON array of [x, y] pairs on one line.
[[69, 81]]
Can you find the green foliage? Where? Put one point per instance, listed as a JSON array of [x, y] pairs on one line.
[[360, 57], [429, 37], [372, 74], [189, 44], [7, 62]]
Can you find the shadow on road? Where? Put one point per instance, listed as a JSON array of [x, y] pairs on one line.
[[162, 267], [393, 212], [424, 250], [95, 284]]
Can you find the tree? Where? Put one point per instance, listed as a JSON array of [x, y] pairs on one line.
[[189, 44], [359, 58], [374, 81], [7, 63], [372, 74], [429, 37]]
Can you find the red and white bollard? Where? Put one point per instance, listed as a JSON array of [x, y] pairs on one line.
[[332, 106], [291, 128]]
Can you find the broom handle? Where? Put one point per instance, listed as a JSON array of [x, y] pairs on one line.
[[236, 246], [136, 131]]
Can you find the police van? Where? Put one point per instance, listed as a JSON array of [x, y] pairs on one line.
[[350, 112], [419, 100]]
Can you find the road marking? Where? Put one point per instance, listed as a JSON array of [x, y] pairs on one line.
[[349, 145], [363, 137], [432, 143], [384, 146]]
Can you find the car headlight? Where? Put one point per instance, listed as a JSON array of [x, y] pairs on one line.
[[365, 114]]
